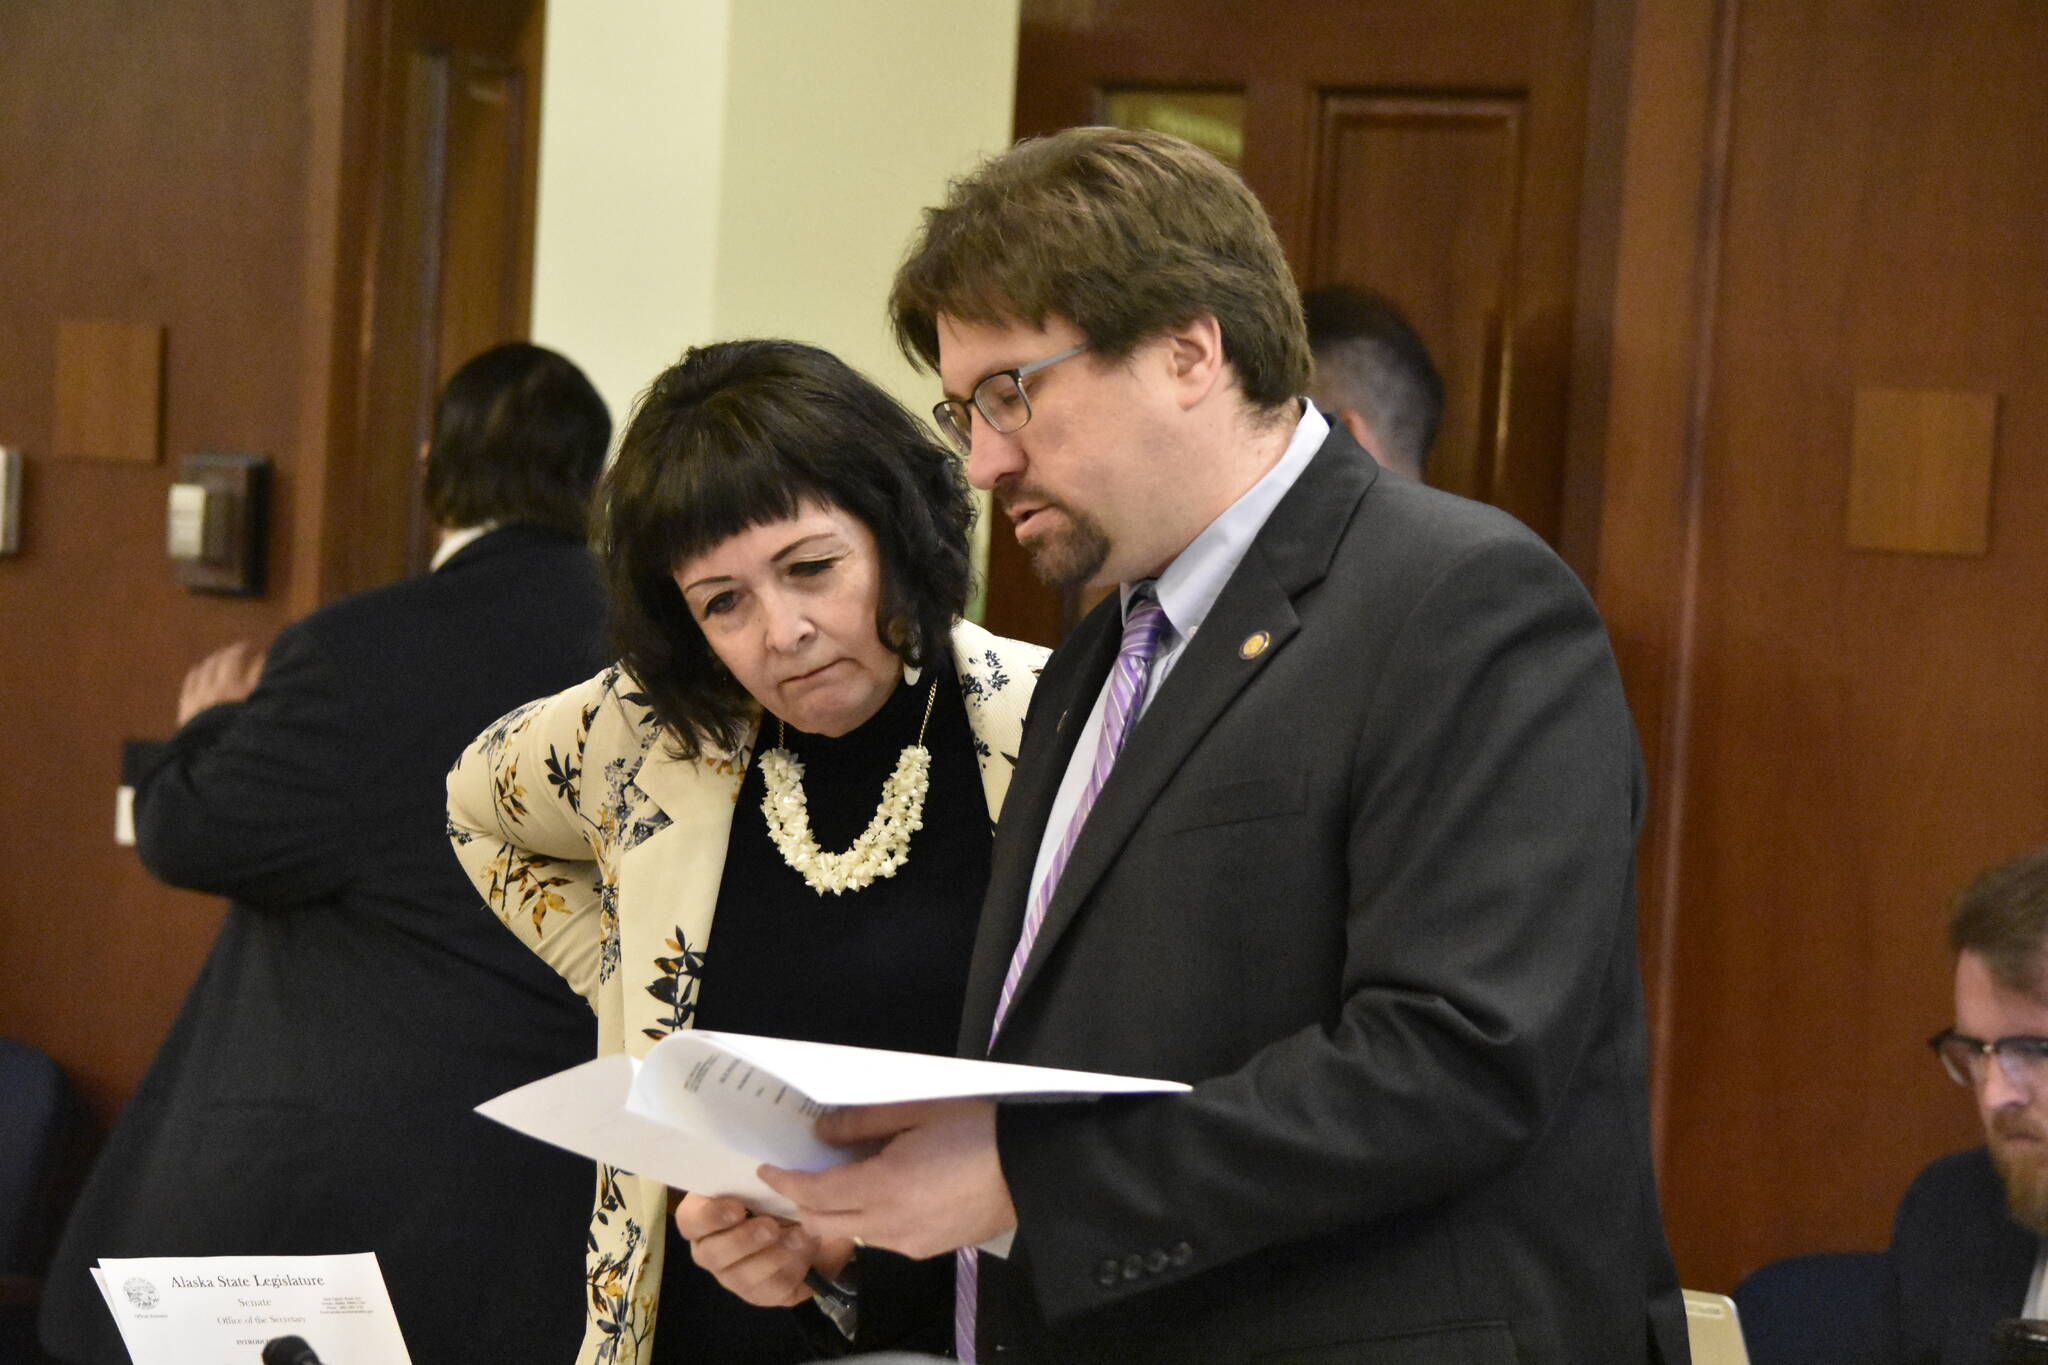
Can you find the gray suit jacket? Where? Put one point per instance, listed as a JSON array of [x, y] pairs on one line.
[[1370, 890]]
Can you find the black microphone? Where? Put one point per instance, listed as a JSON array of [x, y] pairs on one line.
[[288, 1351]]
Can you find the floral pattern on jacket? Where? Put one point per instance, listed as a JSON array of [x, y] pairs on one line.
[[602, 852]]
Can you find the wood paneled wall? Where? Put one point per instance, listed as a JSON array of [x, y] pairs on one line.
[[1821, 201], [155, 168], [225, 178]]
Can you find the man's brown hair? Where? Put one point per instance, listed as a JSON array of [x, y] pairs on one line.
[[2003, 918], [1124, 234]]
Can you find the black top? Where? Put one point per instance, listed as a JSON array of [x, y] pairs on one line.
[[884, 967]]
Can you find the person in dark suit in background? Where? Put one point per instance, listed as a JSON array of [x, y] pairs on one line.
[[1373, 375], [1967, 1248], [314, 1095], [1361, 870]]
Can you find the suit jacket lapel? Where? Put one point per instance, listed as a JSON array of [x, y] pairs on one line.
[[1059, 707], [1291, 553]]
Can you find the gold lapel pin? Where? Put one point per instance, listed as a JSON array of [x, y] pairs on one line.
[[1254, 644]]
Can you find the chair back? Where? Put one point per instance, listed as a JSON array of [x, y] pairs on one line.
[[1829, 1308], [1712, 1330], [35, 1106]]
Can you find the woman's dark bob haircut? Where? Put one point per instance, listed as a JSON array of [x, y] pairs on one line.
[[744, 433]]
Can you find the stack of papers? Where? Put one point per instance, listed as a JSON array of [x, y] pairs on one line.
[[704, 1108]]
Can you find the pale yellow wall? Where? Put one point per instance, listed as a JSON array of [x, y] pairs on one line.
[[631, 143], [723, 168], [844, 119]]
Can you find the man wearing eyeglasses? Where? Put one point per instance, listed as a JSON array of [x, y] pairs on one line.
[[1968, 1246], [1328, 810]]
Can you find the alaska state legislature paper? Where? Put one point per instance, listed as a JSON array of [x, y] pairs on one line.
[[704, 1108], [220, 1310]]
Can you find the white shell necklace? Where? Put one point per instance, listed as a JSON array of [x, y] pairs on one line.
[[881, 848]]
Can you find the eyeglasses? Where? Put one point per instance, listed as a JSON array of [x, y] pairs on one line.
[[2023, 1059], [999, 396]]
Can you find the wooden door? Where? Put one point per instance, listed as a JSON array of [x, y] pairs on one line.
[[448, 255], [1432, 152], [1824, 568]]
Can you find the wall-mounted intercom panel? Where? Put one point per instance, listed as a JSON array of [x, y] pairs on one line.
[[218, 522]]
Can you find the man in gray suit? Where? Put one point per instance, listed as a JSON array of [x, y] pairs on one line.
[[1329, 810]]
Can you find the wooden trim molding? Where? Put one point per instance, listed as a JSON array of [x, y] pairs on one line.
[[1674, 184], [341, 144]]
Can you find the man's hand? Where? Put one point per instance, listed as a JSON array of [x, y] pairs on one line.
[[228, 674], [759, 1258], [935, 1185]]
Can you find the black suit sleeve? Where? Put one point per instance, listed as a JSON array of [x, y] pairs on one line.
[[1463, 860], [251, 799]]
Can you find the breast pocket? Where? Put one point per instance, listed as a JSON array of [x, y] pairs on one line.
[[1269, 796]]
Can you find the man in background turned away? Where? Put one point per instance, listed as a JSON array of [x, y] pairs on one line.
[[1967, 1249], [314, 1094], [1329, 809], [1373, 375]]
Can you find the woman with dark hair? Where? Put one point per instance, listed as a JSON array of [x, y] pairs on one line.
[[786, 551]]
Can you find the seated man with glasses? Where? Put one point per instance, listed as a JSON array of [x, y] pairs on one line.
[[1968, 1247]]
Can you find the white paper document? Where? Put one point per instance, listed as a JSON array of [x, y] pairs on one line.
[[220, 1310], [705, 1108]]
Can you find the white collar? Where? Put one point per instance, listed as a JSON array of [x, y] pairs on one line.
[[453, 541]]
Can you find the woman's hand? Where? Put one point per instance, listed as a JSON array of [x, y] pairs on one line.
[[761, 1259]]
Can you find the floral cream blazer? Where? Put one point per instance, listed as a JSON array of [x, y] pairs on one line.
[[602, 852]]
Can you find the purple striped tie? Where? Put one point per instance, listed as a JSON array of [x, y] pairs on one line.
[[1144, 623]]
